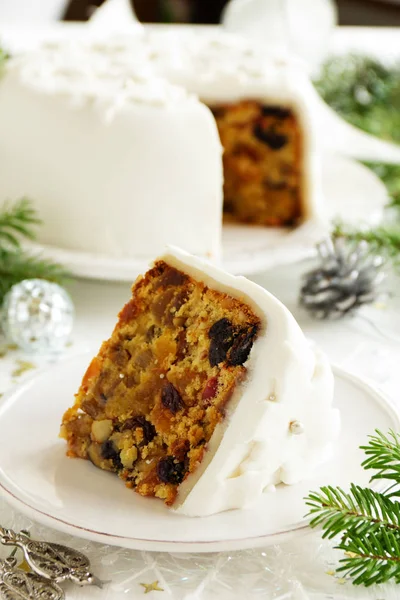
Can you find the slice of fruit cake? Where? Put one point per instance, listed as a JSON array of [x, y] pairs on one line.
[[206, 393]]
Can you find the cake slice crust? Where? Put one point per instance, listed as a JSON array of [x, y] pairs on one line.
[[151, 399]]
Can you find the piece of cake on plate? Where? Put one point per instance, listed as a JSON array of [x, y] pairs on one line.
[[118, 161], [207, 393]]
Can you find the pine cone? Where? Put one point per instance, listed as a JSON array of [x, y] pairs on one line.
[[347, 278]]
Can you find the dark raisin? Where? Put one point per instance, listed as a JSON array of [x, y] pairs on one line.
[[274, 140], [240, 350], [210, 390], [222, 336], [171, 398], [275, 111], [149, 431], [110, 452], [169, 471], [221, 330], [216, 353]]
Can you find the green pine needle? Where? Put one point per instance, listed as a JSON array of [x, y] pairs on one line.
[[361, 511], [364, 92], [383, 456], [383, 240], [371, 559], [18, 221]]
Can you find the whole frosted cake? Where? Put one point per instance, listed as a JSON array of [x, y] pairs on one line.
[[207, 393], [118, 161], [119, 141]]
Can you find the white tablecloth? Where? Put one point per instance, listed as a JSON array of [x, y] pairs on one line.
[[367, 345]]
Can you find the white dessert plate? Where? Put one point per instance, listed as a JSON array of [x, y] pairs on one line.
[[75, 497], [351, 191]]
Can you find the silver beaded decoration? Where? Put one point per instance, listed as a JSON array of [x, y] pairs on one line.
[[37, 315], [54, 562], [16, 584]]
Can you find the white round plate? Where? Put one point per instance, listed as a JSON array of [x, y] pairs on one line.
[[75, 497], [351, 191]]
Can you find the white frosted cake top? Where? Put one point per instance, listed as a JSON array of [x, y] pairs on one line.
[[84, 74]]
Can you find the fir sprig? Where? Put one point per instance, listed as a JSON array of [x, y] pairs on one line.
[[383, 240], [383, 456], [18, 222], [365, 92], [371, 559], [361, 511], [366, 521]]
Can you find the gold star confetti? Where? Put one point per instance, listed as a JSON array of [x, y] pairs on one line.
[[341, 581], [151, 587], [331, 573], [22, 367]]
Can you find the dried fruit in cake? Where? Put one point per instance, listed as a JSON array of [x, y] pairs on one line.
[[263, 163]]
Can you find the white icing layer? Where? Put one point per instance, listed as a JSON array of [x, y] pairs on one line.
[[288, 381], [117, 162]]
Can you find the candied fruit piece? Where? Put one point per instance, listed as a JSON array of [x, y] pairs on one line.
[[210, 391]]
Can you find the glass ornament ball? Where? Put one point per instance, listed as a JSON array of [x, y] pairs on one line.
[[37, 316]]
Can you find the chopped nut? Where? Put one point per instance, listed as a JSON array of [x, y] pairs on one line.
[[101, 430], [128, 457]]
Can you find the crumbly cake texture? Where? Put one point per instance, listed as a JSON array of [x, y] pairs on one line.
[[262, 163], [151, 399]]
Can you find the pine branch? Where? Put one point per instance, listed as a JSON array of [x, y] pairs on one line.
[[382, 240], [383, 456], [18, 265], [368, 522], [365, 92], [372, 559], [361, 511], [16, 220]]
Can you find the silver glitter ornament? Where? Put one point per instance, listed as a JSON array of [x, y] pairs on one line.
[[347, 278], [38, 316]]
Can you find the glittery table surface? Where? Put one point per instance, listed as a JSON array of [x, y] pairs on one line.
[[367, 345]]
